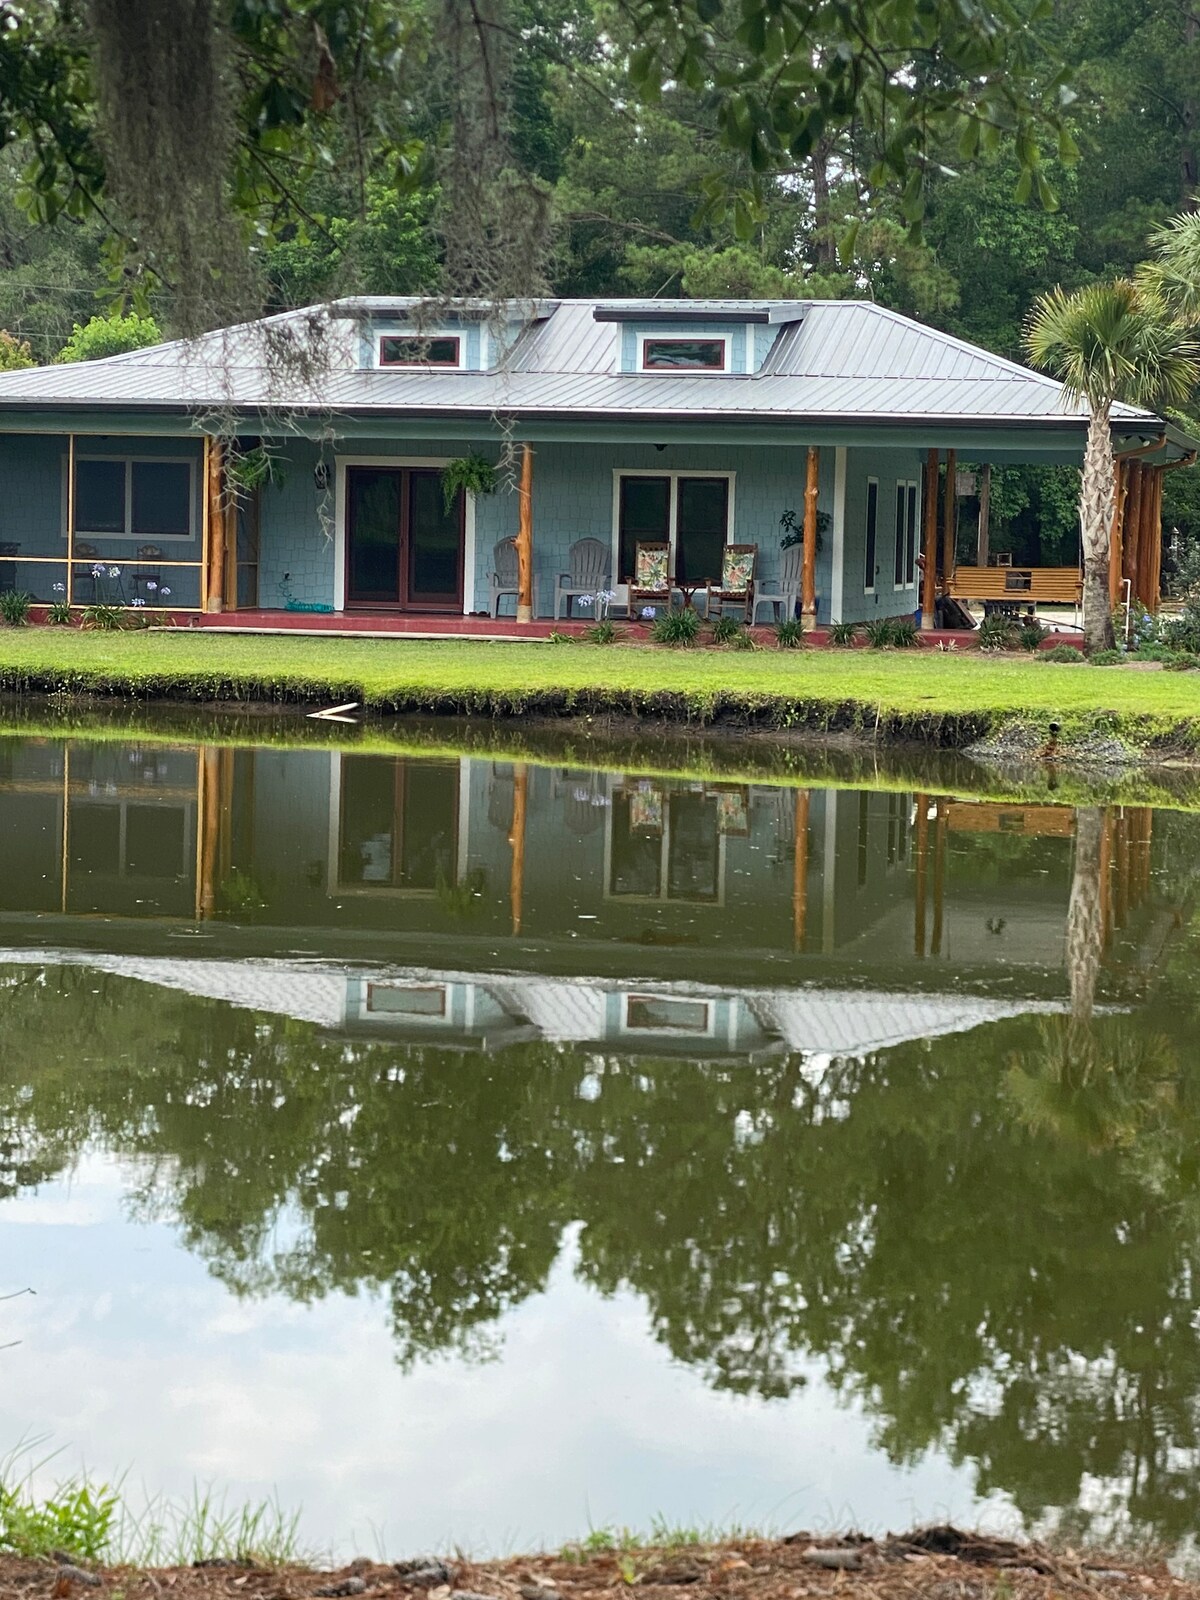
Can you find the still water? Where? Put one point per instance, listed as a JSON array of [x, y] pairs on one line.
[[481, 1149]]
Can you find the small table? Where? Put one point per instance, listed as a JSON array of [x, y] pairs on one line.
[[688, 588]]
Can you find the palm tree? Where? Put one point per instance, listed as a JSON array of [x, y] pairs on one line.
[[1173, 272], [1105, 343]]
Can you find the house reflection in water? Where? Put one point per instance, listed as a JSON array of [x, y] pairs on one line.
[[674, 914]]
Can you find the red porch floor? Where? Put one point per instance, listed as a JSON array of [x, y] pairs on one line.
[[381, 625]]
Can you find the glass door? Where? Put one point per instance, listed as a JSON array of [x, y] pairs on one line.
[[433, 564], [403, 548], [373, 505]]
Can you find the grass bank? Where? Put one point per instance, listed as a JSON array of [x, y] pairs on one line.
[[947, 701]]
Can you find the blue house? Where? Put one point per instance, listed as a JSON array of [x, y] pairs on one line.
[[690, 424]]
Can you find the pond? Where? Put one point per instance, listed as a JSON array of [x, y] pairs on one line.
[[481, 1148]]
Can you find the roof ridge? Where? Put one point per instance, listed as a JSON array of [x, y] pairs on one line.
[[942, 337]]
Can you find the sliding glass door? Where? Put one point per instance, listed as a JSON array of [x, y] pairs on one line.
[[690, 513], [403, 548]]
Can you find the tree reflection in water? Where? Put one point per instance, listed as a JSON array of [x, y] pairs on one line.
[[991, 1242]]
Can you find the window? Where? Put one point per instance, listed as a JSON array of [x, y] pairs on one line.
[[684, 355], [405, 350], [906, 534], [872, 531], [690, 512], [129, 498]]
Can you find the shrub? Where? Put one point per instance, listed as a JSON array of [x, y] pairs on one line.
[[789, 634], [843, 634], [997, 633], [1183, 632], [1065, 653], [560, 638], [881, 633], [603, 633], [743, 639], [676, 627], [1031, 633], [1182, 661], [1107, 658], [105, 619], [905, 633], [14, 607], [724, 629], [59, 614]]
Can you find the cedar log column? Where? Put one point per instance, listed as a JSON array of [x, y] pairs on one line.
[[1131, 526], [1116, 538], [808, 583], [929, 543], [525, 538]]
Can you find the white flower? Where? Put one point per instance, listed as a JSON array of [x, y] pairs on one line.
[[139, 602], [151, 586], [647, 611], [60, 588], [165, 590], [97, 572], [114, 572]]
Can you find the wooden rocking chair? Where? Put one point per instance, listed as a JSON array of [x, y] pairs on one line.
[[736, 587], [651, 581]]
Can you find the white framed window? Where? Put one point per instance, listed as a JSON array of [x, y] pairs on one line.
[[871, 536], [658, 352], [444, 350], [667, 1013], [690, 511], [132, 497], [907, 533]]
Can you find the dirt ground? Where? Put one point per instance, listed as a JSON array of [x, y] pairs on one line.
[[939, 1563]]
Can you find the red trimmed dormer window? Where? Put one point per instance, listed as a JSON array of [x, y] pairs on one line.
[[684, 355], [403, 350]]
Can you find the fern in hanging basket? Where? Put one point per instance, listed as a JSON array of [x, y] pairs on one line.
[[473, 474], [253, 469]]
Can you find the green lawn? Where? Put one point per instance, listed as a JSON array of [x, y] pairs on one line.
[[785, 688]]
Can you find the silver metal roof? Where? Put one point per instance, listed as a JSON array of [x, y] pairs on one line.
[[842, 360]]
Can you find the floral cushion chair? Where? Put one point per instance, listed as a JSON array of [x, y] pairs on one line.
[[736, 587], [650, 585]]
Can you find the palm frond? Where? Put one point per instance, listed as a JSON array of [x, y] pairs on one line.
[[1173, 271], [1113, 341]]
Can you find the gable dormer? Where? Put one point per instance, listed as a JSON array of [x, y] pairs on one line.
[[698, 339]]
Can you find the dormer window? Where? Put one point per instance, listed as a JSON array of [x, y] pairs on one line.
[[684, 355], [406, 350]]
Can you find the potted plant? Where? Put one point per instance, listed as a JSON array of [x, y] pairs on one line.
[[473, 474]]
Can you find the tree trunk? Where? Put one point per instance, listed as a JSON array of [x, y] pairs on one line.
[[824, 243], [1085, 923], [1189, 170], [1095, 510]]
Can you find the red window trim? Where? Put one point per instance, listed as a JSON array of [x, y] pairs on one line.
[[649, 339], [417, 339]]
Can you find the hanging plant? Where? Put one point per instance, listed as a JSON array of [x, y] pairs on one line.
[[473, 474], [793, 528], [250, 469]]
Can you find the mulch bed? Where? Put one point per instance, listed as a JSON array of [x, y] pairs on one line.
[[940, 1563]]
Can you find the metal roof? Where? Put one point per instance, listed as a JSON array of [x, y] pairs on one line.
[[842, 360]]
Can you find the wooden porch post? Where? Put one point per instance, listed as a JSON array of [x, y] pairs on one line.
[[216, 526], [208, 822], [1141, 574], [929, 543], [985, 510], [231, 547], [1116, 539], [800, 872], [1132, 525], [950, 516], [808, 584], [71, 492], [525, 538]]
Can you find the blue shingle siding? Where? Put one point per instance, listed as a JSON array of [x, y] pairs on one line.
[[33, 511], [573, 498], [889, 467]]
